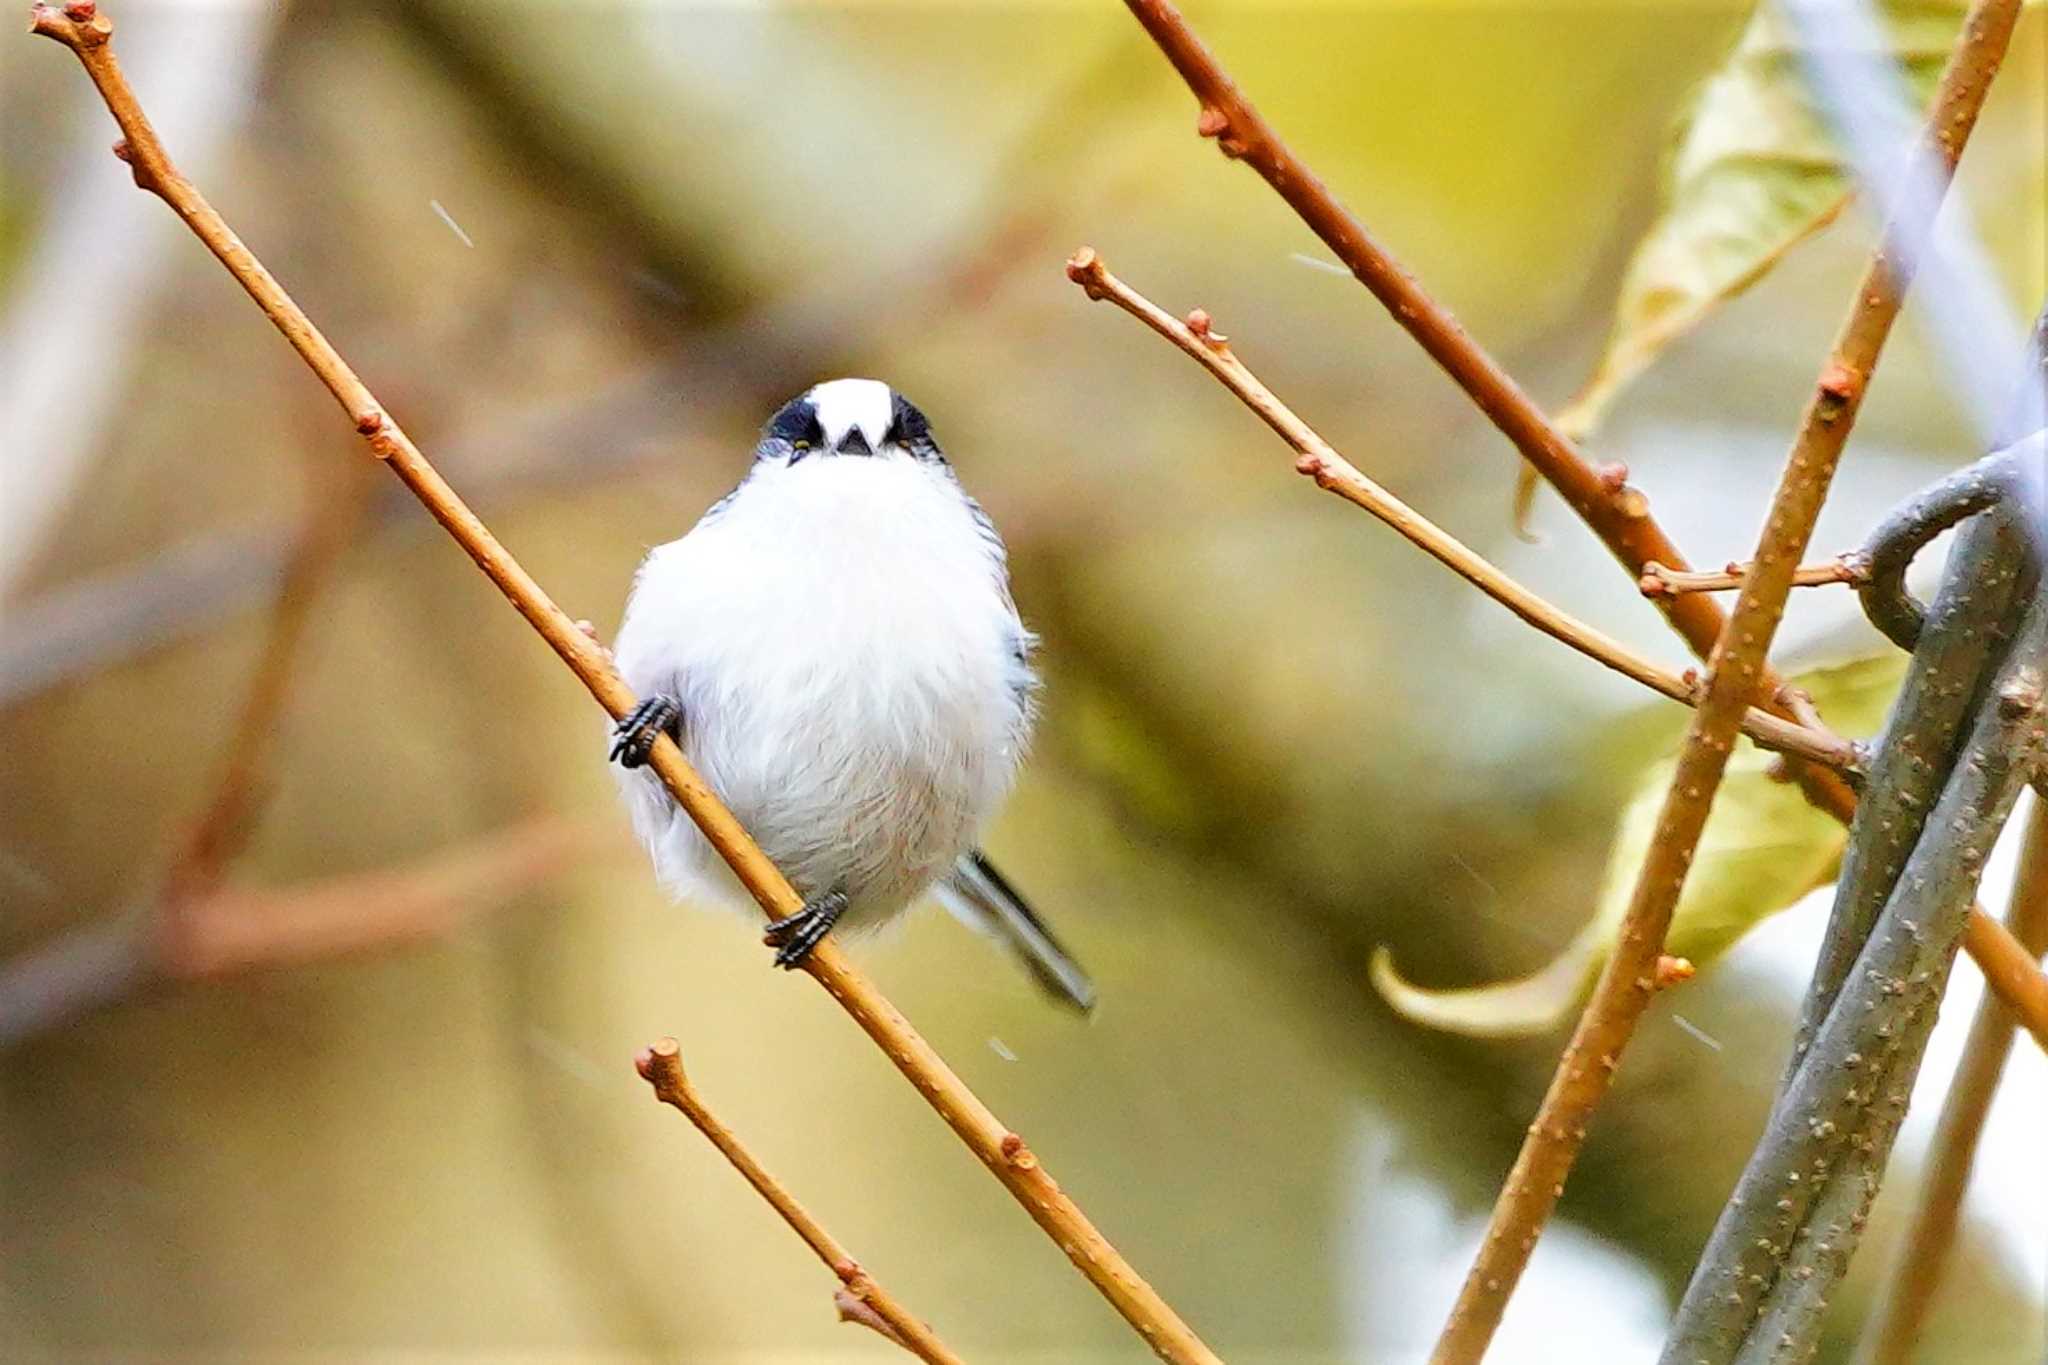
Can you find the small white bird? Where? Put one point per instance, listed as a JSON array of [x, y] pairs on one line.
[[835, 648]]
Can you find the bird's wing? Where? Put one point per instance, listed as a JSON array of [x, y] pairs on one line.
[[982, 898]]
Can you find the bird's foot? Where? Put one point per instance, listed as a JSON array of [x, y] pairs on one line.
[[794, 936], [633, 738]]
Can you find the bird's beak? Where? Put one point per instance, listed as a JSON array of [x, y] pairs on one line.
[[854, 442]]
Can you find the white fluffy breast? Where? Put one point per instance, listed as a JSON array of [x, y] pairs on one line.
[[841, 639]]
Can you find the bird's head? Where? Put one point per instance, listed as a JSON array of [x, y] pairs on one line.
[[861, 417]]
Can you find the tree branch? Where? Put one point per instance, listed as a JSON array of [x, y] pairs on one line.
[[864, 1301], [233, 930], [48, 975], [1893, 1329], [1736, 676], [1967, 631], [85, 32], [1320, 461], [1796, 1214], [1618, 514], [1658, 581], [1907, 530], [223, 931], [335, 502]]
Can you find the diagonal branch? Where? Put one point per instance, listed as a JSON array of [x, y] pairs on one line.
[[85, 32], [1618, 514], [661, 1066], [1797, 1212], [1243, 134], [1321, 462], [1891, 1334]]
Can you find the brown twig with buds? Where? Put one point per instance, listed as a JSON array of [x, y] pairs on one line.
[[860, 1299], [1658, 581], [1320, 461], [86, 32]]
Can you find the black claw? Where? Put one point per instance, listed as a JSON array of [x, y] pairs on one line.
[[633, 738], [794, 936]]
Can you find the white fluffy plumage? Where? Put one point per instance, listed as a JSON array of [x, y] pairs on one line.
[[852, 673]]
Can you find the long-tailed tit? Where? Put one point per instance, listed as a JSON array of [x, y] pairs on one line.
[[835, 648]]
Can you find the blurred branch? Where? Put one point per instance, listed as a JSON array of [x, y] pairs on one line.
[[1893, 1330], [1849, 63], [103, 963], [225, 931], [334, 503], [1617, 513], [1319, 460], [207, 73], [131, 608], [2012, 973], [861, 1300], [85, 32], [234, 930]]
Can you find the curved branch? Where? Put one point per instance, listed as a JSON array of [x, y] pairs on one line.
[[86, 32], [1908, 529]]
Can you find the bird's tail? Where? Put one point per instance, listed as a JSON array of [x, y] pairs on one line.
[[980, 897]]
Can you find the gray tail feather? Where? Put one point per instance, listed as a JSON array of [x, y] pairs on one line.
[[982, 898]]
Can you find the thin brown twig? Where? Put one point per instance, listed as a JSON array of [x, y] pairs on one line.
[[2012, 973], [1893, 1329], [85, 32], [861, 1299], [1658, 581], [1320, 461], [1736, 676], [1600, 495]]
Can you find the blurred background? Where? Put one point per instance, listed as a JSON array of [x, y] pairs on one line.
[[379, 1101]]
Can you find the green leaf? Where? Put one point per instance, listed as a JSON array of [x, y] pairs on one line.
[[1752, 172], [1764, 848]]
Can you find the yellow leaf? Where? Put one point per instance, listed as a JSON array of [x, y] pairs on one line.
[[1764, 847], [1753, 171]]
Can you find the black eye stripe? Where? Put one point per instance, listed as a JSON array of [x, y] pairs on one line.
[[907, 425], [797, 421]]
